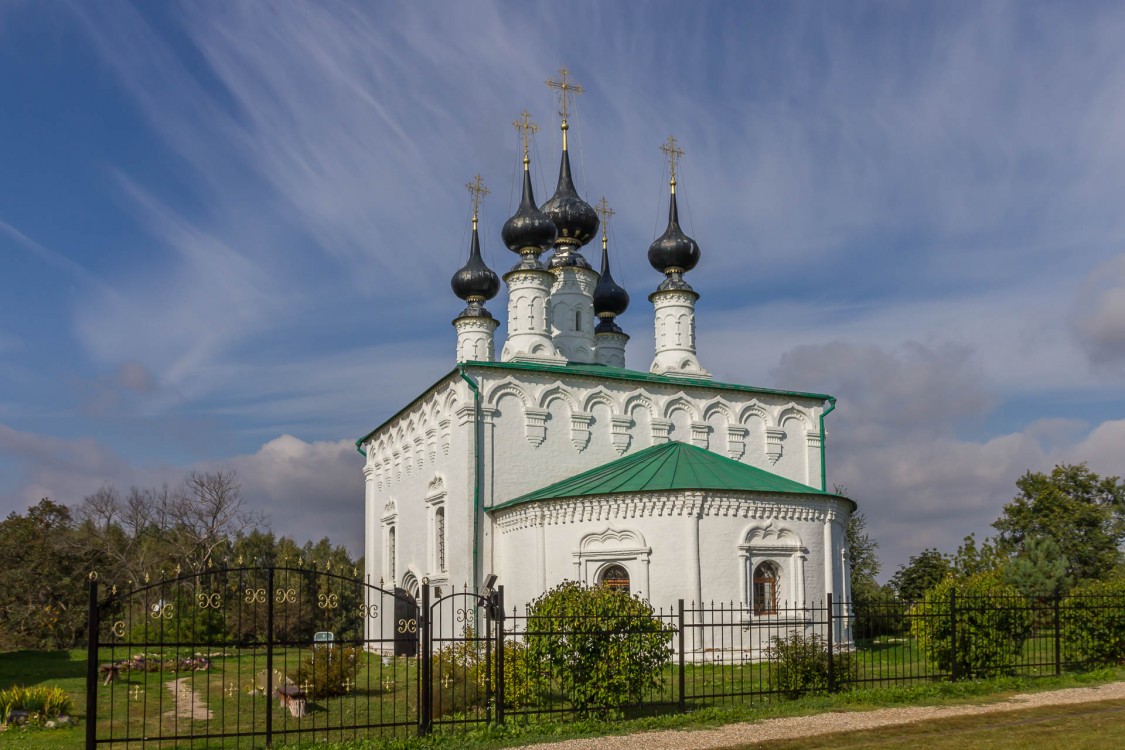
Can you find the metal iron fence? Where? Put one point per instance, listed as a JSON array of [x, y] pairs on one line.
[[248, 657]]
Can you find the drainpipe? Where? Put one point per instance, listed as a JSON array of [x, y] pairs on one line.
[[477, 471], [824, 444]]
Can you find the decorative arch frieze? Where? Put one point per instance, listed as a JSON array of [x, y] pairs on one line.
[[792, 412], [507, 388], [599, 397], [681, 403], [754, 409], [637, 399]]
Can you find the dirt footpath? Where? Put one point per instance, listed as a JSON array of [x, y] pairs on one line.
[[808, 726]]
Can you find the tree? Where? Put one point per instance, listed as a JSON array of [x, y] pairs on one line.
[[863, 558], [1039, 571], [971, 559], [1081, 512], [42, 579], [920, 574]]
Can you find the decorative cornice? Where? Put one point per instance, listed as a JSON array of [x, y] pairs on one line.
[[607, 508]]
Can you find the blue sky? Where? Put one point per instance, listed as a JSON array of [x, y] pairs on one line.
[[228, 229]]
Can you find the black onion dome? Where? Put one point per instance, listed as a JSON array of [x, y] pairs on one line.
[[673, 249], [610, 299], [475, 282], [576, 221], [529, 227]]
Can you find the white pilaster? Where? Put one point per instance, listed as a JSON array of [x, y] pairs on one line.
[[529, 322], [675, 334], [572, 312], [475, 338]]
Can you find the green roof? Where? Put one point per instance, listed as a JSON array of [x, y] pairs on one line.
[[668, 466]]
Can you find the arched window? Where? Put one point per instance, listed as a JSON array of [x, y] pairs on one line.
[[615, 577], [765, 589], [577, 320], [439, 538]]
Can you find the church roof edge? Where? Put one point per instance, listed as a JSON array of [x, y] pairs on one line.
[[620, 373], [672, 466]]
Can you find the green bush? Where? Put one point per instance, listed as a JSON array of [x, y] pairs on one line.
[[601, 648], [1093, 623], [41, 702], [800, 665], [461, 672], [992, 624], [329, 670]]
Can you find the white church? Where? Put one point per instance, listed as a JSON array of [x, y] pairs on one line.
[[554, 462]]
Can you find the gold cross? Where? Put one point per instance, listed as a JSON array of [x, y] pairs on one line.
[[231, 689], [526, 129], [478, 191], [307, 688], [565, 89], [135, 692], [673, 152], [606, 213], [348, 685]]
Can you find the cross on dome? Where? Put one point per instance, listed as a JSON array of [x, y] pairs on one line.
[[606, 213], [565, 89], [526, 129], [673, 152], [477, 189]]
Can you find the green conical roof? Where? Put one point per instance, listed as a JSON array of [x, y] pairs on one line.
[[668, 466]]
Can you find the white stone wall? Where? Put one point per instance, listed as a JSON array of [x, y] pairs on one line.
[[545, 430], [698, 546]]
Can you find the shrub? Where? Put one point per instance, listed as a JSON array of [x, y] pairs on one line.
[[800, 665], [461, 672], [329, 670], [992, 624], [1093, 623], [601, 648], [41, 702]]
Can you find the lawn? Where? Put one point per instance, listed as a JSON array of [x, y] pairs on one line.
[[1073, 727], [384, 692]]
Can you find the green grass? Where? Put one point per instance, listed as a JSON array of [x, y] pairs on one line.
[[1071, 727], [386, 691]]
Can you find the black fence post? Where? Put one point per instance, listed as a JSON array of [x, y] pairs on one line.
[[92, 627], [953, 655], [498, 604], [425, 712], [269, 657], [488, 690], [680, 638], [1058, 635], [831, 664]]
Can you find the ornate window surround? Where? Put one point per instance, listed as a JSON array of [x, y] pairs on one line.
[[625, 547]]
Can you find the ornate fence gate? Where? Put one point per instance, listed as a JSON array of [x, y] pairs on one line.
[[251, 656]]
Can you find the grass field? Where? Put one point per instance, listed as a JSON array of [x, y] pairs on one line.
[[140, 703], [1074, 727]]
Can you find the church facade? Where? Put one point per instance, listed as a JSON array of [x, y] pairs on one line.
[[553, 462]]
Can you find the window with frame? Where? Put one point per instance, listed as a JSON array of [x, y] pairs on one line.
[[615, 577], [765, 589]]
